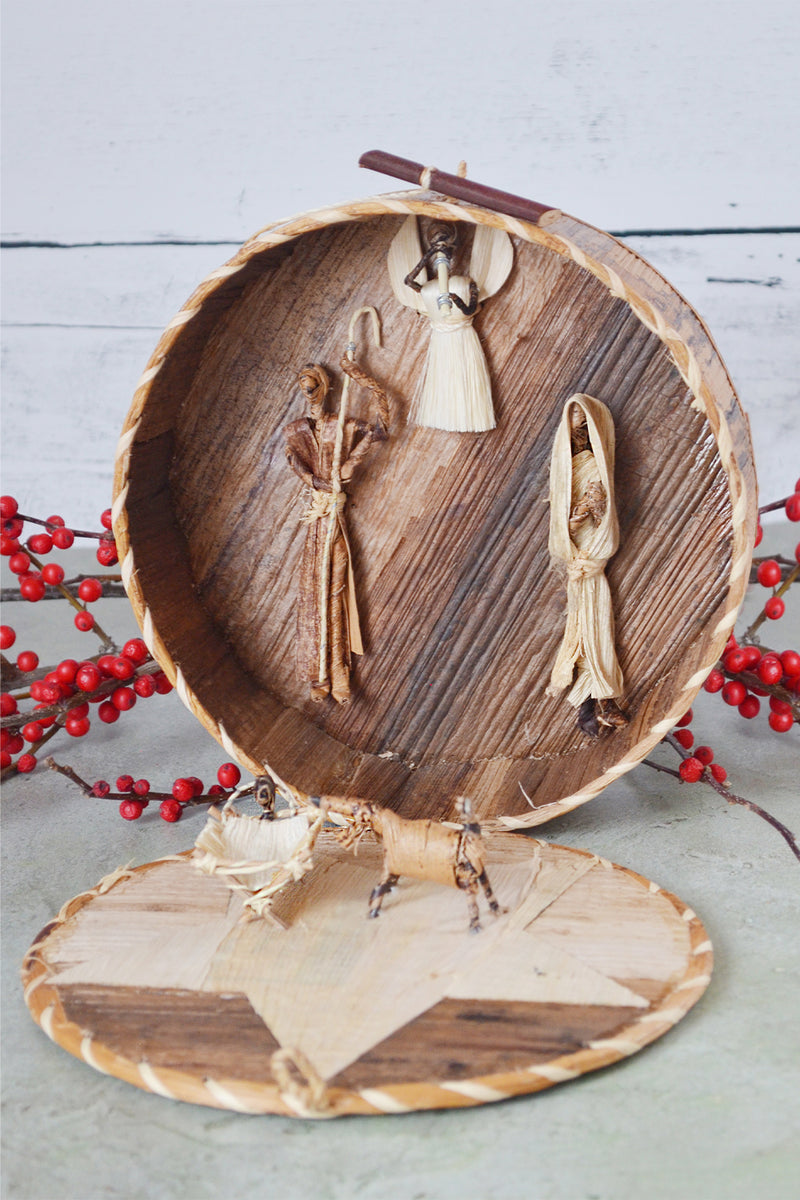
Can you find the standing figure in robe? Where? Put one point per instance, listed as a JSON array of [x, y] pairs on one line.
[[456, 391], [324, 451], [584, 534]]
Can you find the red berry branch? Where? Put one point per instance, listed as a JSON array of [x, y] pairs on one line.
[[135, 795], [38, 703], [748, 673]]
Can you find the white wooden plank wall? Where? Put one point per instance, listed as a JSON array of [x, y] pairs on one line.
[[129, 127]]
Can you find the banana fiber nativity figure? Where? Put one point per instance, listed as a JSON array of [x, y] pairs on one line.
[[324, 450], [584, 534]]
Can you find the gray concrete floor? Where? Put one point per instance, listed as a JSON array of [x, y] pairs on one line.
[[711, 1110]]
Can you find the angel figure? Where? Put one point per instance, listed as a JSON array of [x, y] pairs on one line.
[[456, 391], [324, 450], [584, 534]]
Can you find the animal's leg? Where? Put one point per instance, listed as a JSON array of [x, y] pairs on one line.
[[496, 908], [469, 884], [379, 891]]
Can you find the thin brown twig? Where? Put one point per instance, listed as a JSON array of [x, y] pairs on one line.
[[762, 616], [725, 792], [105, 535], [88, 790]]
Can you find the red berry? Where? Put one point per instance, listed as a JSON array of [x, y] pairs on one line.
[[13, 742], [141, 787], [40, 543], [66, 670], [793, 507], [749, 708], [685, 738], [84, 621], [8, 507], [136, 651], [197, 784], [719, 773], [32, 589], [45, 722], [105, 518], [123, 698], [122, 668], [145, 686], [8, 546], [19, 563], [770, 669], [55, 522], [53, 574], [183, 790], [229, 775], [32, 732], [163, 685], [63, 538], [686, 719], [779, 706], [704, 754], [170, 810], [5, 759], [7, 637], [8, 705], [77, 726], [48, 693], [79, 710], [216, 790], [734, 692], [124, 783], [774, 608], [752, 656], [790, 661], [107, 554], [105, 664], [26, 763], [87, 677], [797, 552], [781, 722], [28, 660], [690, 770], [108, 713], [734, 660], [759, 535], [769, 573], [90, 590], [131, 810], [715, 681]]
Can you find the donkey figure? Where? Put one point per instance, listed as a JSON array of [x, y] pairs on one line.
[[453, 855]]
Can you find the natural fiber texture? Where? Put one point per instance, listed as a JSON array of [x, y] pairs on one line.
[[637, 286], [324, 451], [455, 392], [255, 857], [620, 924], [581, 548]]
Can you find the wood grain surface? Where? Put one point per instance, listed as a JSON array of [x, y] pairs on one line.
[[461, 612], [588, 963]]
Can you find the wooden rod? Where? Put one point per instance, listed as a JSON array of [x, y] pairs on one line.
[[453, 185]]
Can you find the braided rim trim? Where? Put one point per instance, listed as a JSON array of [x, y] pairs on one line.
[[424, 204], [43, 1001]]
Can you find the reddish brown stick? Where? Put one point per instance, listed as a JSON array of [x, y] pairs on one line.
[[455, 186]]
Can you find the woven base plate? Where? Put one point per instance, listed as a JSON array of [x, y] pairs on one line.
[[153, 977]]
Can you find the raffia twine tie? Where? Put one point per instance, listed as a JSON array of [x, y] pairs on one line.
[[580, 568], [322, 505]]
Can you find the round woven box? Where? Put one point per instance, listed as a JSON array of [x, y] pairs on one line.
[[461, 611]]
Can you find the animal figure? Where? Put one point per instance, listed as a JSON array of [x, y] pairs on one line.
[[453, 855]]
